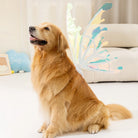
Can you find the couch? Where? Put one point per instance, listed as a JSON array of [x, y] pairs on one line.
[[123, 43]]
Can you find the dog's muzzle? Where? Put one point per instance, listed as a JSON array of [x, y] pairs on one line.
[[34, 39]]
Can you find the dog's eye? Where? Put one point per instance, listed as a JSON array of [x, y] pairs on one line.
[[46, 28]]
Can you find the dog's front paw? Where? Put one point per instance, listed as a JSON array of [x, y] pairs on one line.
[[48, 134], [42, 129], [92, 129]]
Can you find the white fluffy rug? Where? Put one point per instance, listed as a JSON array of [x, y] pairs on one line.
[[20, 116]]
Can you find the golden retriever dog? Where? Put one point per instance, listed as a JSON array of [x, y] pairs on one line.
[[67, 101]]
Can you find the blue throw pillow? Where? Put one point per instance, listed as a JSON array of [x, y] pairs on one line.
[[19, 61]]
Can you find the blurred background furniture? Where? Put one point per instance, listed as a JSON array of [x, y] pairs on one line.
[[123, 43], [121, 20]]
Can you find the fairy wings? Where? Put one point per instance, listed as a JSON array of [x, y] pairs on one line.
[[87, 48]]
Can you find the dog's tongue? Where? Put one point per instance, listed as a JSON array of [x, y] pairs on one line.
[[32, 38]]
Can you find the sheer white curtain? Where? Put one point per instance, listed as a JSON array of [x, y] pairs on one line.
[[54, 11], [123, 11]]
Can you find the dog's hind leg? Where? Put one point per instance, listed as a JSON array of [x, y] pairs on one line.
[[99, 122]]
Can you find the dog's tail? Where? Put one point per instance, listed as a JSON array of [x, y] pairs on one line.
[[118, 112]]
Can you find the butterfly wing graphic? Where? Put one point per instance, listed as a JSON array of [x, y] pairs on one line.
[[74, 35], [87, 49]]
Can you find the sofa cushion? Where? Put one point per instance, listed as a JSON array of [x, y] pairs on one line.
[[128, 58], [121, 35]]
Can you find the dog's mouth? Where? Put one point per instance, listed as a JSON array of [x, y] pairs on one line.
[[37, 41]]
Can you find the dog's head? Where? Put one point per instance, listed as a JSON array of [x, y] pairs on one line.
[[48, 37]]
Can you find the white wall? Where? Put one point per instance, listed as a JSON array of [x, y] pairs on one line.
[[13, 26]]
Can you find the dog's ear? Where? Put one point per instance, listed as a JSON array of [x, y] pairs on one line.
[[62, 43]]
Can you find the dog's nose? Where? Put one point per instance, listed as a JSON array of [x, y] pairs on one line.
[[31, 28]]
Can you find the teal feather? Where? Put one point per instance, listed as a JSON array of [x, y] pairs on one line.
[[97, 31], [106, 6], [100, 61], [89, 43], [108, 55], [100, 43], [101, 52], [98, 69], [120, 68]]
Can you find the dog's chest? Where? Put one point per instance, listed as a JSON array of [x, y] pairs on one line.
[[39, 83], [45, 109], [39, 77]]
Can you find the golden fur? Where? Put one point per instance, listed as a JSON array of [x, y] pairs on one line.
[[64, 95]]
